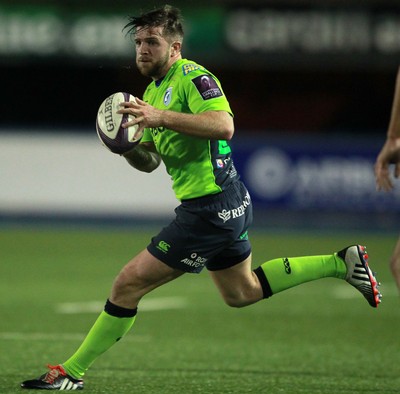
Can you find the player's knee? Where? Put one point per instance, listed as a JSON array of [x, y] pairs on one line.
[[241, 296], [121, 281], [129, 280], [233, 303], [235, 300]]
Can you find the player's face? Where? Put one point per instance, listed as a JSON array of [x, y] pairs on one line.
[[153, 52]]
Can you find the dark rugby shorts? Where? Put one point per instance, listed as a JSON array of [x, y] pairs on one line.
[[209, 232]]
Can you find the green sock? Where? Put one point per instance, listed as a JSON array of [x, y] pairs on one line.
[[284, 273], [106, 331]]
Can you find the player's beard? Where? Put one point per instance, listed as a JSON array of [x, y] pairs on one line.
[[155, 70]]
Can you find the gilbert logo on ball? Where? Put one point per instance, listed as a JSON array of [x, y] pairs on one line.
[[109, 124]]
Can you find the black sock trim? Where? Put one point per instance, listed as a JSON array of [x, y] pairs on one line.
[[118, 311], [266, 288]]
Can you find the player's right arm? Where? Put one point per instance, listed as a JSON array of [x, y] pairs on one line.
[[390, 152], [143, 157]]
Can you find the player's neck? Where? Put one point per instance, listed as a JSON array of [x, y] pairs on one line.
[[158, 79]]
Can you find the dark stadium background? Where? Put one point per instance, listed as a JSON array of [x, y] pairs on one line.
[[315, 77], [350, 93]]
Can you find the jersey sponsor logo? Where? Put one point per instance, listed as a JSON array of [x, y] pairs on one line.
[[220, 163], [194, 260], [286, 264], [188, 68], [163, 246], [226, 215], [207, 87], [167, 97]]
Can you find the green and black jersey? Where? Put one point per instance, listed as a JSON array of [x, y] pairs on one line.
[[197, 166]]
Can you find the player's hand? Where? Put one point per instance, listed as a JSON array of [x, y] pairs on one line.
[[145, 115], [389, 154]]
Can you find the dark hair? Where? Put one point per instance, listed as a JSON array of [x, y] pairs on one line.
[[168, 17]]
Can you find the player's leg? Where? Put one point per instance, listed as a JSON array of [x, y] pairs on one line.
[[395, 264], [238, 285], [141, 275], [239, 288]]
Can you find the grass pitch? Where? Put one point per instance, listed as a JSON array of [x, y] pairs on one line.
[[321, 337]]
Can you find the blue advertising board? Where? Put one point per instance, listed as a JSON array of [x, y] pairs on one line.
[[330, 173]]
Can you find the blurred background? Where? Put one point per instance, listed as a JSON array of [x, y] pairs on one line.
[[310, 82]]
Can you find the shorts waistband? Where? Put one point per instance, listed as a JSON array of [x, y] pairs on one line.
[[230, 191]]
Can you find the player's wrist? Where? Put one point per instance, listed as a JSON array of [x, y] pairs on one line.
[[393, 132], [163, 117]]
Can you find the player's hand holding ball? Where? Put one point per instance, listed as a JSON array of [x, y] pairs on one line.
[[111, 117]]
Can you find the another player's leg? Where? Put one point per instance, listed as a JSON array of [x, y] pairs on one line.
[[395, 264], [143, 274]]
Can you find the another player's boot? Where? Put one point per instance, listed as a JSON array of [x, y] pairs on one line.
[[55, 379], [359, 274]]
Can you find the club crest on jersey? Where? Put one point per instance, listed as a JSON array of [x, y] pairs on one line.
[[167, 97]]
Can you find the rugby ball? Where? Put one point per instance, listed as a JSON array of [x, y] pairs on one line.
[[109, 124]]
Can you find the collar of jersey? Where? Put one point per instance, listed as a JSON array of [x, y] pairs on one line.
[[170, 71], [159, 81]]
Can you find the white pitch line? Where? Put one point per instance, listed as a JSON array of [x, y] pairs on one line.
[[151, 304], [146, 305]]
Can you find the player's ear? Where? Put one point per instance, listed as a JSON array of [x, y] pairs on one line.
[[176, 48]]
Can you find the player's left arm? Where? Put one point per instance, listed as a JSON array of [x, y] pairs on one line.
[[213, 125]]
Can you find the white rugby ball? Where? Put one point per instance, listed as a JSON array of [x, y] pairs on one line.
[[109, 124]]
